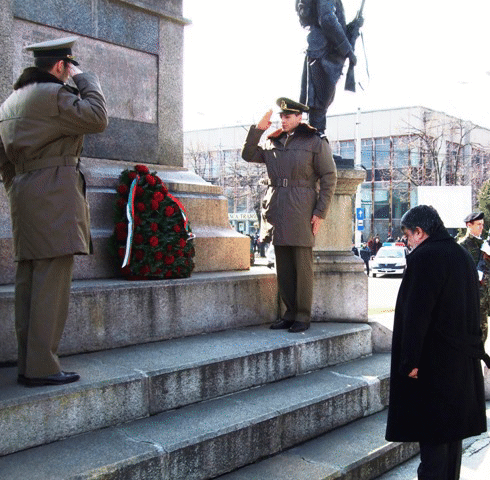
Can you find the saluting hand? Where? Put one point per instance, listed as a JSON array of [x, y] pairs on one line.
[[265, 123]]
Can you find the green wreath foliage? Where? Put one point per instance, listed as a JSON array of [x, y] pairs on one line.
[[161, 245]]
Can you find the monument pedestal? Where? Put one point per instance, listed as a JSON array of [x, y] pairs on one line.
[[340, 288]]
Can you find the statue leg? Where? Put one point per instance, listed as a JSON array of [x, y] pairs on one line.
[[323, 77]]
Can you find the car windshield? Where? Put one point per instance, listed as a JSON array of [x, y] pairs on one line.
[[386, 252]]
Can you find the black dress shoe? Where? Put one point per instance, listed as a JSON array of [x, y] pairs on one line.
[[297, 327], [282, 324], [60, 378]]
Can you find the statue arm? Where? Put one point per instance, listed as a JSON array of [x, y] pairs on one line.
[[331, 20]]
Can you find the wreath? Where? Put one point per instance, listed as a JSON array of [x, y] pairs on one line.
[[152, 237]]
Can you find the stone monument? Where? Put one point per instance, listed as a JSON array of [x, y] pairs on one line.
[[135, 47]]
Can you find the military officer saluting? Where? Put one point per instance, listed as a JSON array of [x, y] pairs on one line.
[[297, 160], [42, 124]]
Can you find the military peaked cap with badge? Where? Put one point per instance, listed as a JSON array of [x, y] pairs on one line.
[[59, 48], [290, 106], [472, 217]]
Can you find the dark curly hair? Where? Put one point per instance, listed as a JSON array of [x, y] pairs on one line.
[[425, 217]]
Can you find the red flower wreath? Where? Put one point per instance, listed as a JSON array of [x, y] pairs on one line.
[[161, 243]]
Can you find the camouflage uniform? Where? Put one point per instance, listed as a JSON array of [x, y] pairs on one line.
[[473, 245]]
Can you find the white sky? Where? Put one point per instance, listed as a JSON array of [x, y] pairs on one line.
[[240, 55]]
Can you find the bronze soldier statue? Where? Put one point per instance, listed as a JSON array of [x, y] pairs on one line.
[[330, 42]]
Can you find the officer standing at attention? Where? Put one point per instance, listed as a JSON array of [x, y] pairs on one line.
[[473, 242], [297, 160], [42, 124]]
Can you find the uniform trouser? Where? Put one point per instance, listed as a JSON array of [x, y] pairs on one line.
[[440, 461], [42, 293], [294, 267]]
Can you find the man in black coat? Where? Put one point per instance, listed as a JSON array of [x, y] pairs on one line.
[[436, 389]]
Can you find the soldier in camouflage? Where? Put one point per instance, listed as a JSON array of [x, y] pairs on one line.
[[473, 242]]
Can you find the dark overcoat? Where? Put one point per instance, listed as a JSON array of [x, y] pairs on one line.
[[437, 330], [42, 124], [296, 166]]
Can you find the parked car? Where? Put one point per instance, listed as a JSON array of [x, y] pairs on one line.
[[390, 260]]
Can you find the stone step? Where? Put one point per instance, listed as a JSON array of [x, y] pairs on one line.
[[125, 384], [106, 314], [208, 439], [357, 451]]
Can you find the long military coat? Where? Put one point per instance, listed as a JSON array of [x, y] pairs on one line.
[[42, 125], [437, 330], [295, 165]]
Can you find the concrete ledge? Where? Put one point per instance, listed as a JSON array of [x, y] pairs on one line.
[[106, 314], [340, 288], [205, 440], [122, 385]]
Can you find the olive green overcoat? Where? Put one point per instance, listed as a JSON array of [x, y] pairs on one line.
[[302, 180], [42, 124]]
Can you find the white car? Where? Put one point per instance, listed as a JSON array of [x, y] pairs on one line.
[[390, 259]]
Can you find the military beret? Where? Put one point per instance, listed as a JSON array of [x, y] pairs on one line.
[[290, 106], [59, 48], [474, 216]]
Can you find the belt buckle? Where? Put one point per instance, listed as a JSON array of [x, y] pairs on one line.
[[284, 182]]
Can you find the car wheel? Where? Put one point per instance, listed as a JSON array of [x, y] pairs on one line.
[[374, 275]]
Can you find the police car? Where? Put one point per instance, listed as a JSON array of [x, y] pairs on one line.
[[390, 260]]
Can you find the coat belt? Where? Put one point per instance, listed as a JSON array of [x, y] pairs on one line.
[[286, 182], [39, 163]]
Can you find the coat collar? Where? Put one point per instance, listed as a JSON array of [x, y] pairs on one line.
[[302, 129], [34, 75]]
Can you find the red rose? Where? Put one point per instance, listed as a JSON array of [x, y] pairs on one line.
[[142, 169], [122, 189], [121, 236], [164, 189], [137, 220], [139, 255], [121, 252], [138, 191], [158, 271], [180, 253], [144, 270], [153, 241], [169, 248], [132, 175], [154, 227], [154, 205], [169, 260], [169, 274], [121, 203], [169, 211], [140, 206], [158, 196], [150, 180], [138, 239], [158, 256], [176, 228], [182, 243]]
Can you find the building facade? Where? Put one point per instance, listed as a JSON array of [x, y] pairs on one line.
[[401, 149]]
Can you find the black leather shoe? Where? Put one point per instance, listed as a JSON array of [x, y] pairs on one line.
[[297, 327], [60, 378], [282, 324]]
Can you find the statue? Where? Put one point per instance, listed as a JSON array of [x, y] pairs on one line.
[[330, 42]]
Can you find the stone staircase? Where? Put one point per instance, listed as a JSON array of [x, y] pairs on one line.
[[234, 399]]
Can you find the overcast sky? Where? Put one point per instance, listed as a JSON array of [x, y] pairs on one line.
[[240, 55]]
